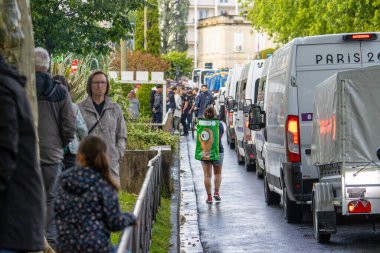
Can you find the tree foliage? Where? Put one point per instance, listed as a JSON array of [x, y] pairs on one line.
[[81, 26], [139, 61], [173, 19], [179, 59], [287, 19], [153, 32]]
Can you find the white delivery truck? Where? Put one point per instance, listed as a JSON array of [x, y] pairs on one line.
[[294, 71], [245, 97], [345, 145], [231, 104]]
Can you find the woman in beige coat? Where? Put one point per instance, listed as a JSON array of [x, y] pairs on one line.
[[104, 118]]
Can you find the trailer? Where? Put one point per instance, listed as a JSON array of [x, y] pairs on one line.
[[345, 148]]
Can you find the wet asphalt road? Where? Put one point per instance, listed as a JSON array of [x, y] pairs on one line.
[[242, 222]]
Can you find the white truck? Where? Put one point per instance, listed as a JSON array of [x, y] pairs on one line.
[[245, 96], [345, 148], [294, 71]]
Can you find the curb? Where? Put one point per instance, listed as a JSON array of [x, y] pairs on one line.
[[189, 231]]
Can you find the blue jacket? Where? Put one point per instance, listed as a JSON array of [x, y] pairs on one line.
[[87, 210], [203, 100]]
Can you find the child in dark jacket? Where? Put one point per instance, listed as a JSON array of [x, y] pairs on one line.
[[87, 206]]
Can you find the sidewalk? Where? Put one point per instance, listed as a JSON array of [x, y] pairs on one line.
[[189, 229]]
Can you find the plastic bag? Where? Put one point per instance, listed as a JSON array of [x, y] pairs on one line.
[[207, 141]]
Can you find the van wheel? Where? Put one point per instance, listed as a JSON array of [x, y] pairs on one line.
[[232, 145], [271, 198], [240, 159], [228, 138], [321, 238], [292, 210], [259, 171]]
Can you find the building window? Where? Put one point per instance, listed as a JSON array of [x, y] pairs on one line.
[[202, 14], [238, 42], [223, 12], [223, 1]]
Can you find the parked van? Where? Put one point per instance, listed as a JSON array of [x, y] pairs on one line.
[[295, 69], [246, 91], [231, 104], [258, 136]]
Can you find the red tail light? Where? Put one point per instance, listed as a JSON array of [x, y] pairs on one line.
[[230, 118], [359, 206], [360, 36], [247, 131], [293, 139]]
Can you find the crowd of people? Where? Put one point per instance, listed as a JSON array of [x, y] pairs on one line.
[[67, 201]]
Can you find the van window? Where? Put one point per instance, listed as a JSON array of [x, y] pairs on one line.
[[243, 87], [261, 93], [256, 90]]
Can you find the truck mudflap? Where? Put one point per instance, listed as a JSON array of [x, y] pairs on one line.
[[323, 208]]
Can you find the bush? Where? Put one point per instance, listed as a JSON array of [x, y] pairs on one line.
[[143, 94]]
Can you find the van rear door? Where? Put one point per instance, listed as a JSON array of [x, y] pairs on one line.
[[315, 63]]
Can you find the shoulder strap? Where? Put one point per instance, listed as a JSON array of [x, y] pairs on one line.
[[96, 123]]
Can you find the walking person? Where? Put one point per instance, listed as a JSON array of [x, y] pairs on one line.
[[191, 106], [134, 106], [185, 112], [213, 166], [87, 205], [22, 198], [178, 110], [81, 131], [203, 99], [56, 129], [105, 118], [157, 105]]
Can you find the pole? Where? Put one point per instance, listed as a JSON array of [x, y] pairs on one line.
[[237, 7], [145, 28], [216, 8], [123, 55], [196, 36]]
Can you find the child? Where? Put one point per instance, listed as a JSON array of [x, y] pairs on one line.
[[87, 207]]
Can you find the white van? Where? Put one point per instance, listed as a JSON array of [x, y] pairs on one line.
[[246, 91], [231, 104], [295, 69], [258, 136]]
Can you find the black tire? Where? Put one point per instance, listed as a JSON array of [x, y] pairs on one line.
[[292, 210], [321, 238], [228, 138], [259, 170], [240, 159], [232, 144], [271, 198]]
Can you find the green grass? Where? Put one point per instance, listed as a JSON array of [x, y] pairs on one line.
[[127, 202], [162, 229]]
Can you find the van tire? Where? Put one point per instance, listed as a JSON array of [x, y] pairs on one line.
[[259, 170], [240, 158], [232, 145], [292, 210], [271, 198]]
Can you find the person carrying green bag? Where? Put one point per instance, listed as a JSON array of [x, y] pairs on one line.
[[209, 150]]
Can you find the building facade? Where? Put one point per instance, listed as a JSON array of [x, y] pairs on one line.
[[224, 38]]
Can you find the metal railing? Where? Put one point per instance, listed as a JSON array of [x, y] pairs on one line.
[[137, 238]]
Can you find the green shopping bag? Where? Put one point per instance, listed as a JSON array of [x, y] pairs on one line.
[[207, 141]]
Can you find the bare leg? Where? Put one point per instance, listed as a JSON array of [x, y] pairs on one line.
[[217, 177], [207, 177]]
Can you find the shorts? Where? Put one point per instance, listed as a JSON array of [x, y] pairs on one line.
[[215, 163]]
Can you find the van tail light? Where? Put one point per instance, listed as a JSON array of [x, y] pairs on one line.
[[247, 131], [230, 118], [293, 139], [360, 36], [359, 206]]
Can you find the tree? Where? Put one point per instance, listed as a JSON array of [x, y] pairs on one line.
[[178, 59], [81, 26], [173, 18], [139, 61], [287, 19], [153, 32]]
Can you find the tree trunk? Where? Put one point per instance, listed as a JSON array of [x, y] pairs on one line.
[[17, 43]]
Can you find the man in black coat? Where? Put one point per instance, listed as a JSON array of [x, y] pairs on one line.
[[22, 200]]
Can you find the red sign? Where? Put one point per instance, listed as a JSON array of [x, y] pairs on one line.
[[74, 66]]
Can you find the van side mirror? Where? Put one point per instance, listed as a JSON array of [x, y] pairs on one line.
[[230, 104], [256, 118], [247, 106], [378, 153], [235, 105]]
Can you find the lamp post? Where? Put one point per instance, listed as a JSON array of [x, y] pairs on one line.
[[196, 35]]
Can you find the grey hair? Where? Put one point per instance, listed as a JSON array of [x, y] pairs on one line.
[[42, 58]]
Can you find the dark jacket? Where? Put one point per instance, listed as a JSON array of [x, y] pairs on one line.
[[87, 210], [171, 100], [21, 189], [202, 100], [157, 105], [56, 121]]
